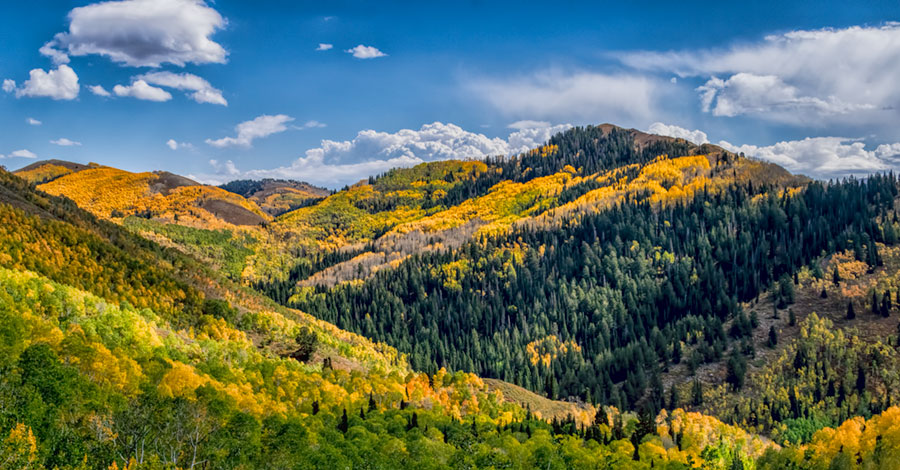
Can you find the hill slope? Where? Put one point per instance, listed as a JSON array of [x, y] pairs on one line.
[[116, 351], [113, 193], [277, 196], [609, 268]]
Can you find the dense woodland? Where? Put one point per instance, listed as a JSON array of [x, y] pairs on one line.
[[597, 307]]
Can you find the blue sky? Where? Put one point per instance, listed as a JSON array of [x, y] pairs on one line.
[[814, 89]]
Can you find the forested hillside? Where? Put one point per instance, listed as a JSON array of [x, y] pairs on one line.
[[611, 299]]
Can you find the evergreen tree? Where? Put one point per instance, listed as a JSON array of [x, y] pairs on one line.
[[674, 398], [344, 424], [696, 393], [735, 370], [850, 313], [773, 337]]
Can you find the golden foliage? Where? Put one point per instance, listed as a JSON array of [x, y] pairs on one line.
[[549, 348], [43, 173], [113, 193], [19, 450]]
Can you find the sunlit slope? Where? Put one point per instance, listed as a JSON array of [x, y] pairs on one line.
[[376, 224], [112, 193], [277, 196], [48, 170], [53, 238], [116, 350]]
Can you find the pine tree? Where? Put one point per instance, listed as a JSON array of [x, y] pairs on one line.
[[735, 370], [792, 318], [697, 393], [850, 313], [773, 337], [674, 398], [835, 276], [345, 423], [861, 379]]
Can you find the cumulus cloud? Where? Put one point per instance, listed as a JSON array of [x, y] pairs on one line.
[[824, 74], [531, 137], [141, 90], [823, 157], [99, 90], [64, 142], [248, 131], [746, 93], [24, 153], [32, 121], [203, 92], [890, 152], [9, 86], [696, 136], [365, 52], [172, 144], [142, 33], [324, 47], [623, 98], [59, 84], [335, 163]]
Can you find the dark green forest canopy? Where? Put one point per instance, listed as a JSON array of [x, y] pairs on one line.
[[626, 285]]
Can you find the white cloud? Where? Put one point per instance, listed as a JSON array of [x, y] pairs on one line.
[[314, 125], [528, 124], [59, 84], [822, 157], [226, 168], [830, 75], [696, 136], [141, 90], [889, 152], [746, 93], [21, 154], [203, 92], [247, 131], [99, 90], [365, 52], [594, 97], [529, 138], [324, 47], [142, 33], [335, 163], [58, 57], [32, 121], [64, 142], [175, 145], [9, 85]]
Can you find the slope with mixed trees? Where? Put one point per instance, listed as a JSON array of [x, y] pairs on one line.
[[607, 270], [120, 353], [630, 288], [277, 197]]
